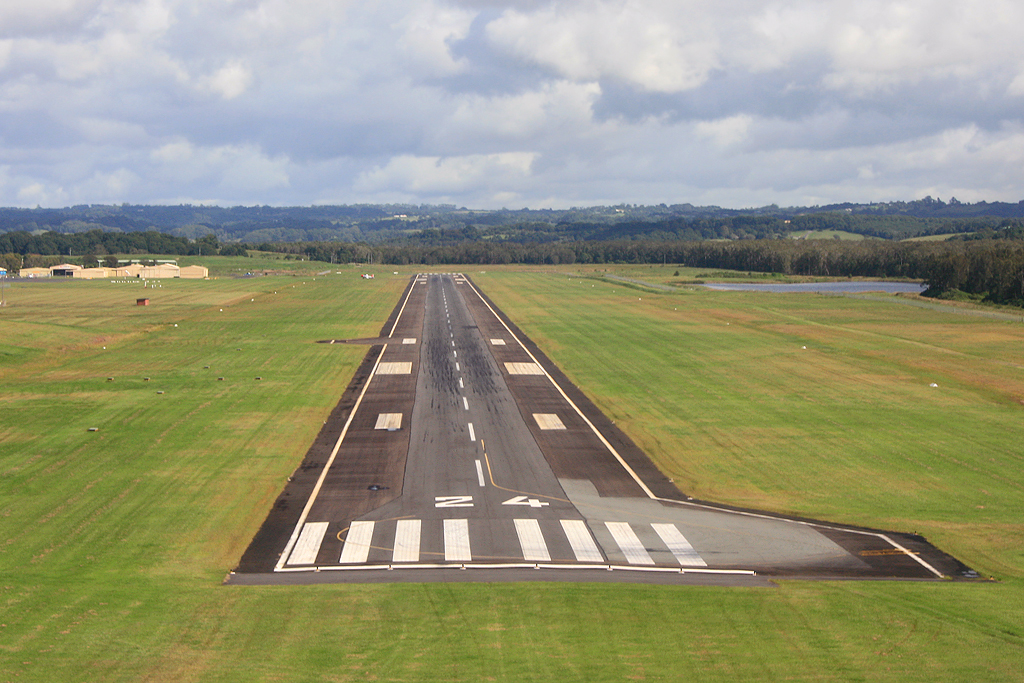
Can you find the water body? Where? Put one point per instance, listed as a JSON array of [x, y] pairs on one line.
[[823, 287]]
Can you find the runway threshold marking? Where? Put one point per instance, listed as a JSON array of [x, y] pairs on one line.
[[357, 544], [456, 540], [407, 541], [531, 540], [308, 545], [629, 543], [583, 545], [678, 545]]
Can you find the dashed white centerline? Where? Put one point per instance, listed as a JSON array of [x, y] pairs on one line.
[[461, 385], [480, 473], [472, 434], [457, 369], [465, 403]]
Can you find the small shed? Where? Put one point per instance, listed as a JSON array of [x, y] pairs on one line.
[[142, 302]]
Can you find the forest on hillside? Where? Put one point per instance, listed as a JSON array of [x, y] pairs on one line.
[[436, 224]]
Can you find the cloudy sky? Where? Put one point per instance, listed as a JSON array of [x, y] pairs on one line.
[[517, 103]]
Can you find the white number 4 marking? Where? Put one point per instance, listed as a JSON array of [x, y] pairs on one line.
[[453, 501], [523, 500]]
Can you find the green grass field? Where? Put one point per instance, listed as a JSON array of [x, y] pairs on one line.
[[114, 543]]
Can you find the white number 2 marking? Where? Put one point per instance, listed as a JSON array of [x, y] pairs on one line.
[[453, 501]]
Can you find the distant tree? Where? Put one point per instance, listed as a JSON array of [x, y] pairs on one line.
[[90, 261], [234, 250], [12, 262], [110, 262]]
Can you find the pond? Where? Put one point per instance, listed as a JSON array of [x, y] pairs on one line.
[[824, 287]]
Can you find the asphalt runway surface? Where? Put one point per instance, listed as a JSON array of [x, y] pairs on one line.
[[459, 452]]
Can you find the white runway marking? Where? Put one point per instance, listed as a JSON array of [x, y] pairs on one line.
[[357, 543], [548, 421], [456, 540], [457, 367], [472, 434], [679, 546], [628, 543], [389, 421], [465, 403], [523, 369], [532, 541], [453, 501], [308, 545], [461, 385], [394, 368], [409, 340], [480, 473], [583, 545], [497, 342], [407, 541]]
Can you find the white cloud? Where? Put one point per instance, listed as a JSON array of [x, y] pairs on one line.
[[229, 81], [427, 33], [661, 47], [445, 176], [726, 131], [557, 105], [226, 168]]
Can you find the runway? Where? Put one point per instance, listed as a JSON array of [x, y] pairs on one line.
[[460, 446]]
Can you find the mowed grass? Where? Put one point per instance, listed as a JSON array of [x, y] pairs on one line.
[[114, 543]]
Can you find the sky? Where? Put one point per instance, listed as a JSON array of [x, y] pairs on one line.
[[510, 103]]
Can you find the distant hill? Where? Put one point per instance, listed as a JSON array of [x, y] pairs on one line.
[[442, 224]]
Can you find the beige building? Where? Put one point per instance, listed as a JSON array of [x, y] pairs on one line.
[[160, 271], [133, 270], [92, 273], [194, 272], [34, 272]]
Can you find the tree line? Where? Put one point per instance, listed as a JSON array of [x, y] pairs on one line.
[[96, 243], [992, 270]]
